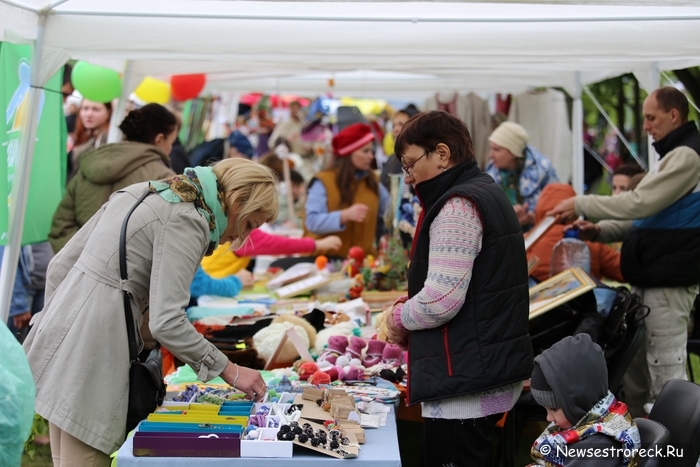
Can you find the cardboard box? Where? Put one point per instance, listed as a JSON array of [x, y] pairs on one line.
[[313, 394]]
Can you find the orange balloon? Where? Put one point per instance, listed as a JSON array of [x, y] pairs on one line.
[[321, 262]]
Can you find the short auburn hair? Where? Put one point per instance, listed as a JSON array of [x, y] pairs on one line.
[[428, 129]]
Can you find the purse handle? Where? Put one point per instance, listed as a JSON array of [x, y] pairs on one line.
[[130, 331]]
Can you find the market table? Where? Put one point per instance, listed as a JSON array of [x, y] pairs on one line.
[[381, 449]]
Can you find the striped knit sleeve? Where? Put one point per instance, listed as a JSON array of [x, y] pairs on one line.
[[455, 242]]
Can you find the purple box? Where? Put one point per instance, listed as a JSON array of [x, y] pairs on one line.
[[186, 445]]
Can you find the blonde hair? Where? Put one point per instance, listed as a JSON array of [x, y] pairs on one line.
[[249, 185]]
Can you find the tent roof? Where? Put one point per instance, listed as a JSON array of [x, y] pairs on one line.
[[386, 48]]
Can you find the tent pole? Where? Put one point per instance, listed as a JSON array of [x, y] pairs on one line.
[[655, 83], [20, 183], [379, 19], [21, 6], [115, 134], [577, 133], [617, 131]]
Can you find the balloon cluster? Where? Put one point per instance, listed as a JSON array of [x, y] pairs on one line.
[[100, 84]]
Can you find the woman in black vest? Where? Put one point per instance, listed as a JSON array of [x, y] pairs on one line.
[[465, 319]]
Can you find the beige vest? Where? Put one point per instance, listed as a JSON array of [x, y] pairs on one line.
[[360, 234]]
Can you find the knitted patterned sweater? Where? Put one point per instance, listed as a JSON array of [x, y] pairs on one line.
[[452, 254]]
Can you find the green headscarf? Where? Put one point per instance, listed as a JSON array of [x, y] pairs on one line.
[[199, 186]]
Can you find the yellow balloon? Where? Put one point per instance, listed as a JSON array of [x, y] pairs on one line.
[[153, 90]]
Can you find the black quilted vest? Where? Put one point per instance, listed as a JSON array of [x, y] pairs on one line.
[[486, 345]]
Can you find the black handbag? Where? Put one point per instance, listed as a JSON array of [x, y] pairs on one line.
[[627, 308], [146, 385]]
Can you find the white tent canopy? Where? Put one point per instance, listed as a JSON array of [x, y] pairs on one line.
[[390, 49], [475, 46]]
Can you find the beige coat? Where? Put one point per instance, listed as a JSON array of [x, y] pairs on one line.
[[78, 349]]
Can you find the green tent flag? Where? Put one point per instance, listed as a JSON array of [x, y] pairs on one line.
[[48, 176]]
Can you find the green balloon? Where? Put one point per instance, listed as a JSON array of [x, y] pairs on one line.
[[96, 83]]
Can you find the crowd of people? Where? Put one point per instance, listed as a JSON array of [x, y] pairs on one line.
[[464, 319]]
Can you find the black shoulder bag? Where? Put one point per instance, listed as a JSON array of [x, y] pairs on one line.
[[146, 385]]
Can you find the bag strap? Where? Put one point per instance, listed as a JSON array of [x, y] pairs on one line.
[[130, 331]]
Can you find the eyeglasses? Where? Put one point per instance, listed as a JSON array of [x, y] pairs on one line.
[[408, 167]]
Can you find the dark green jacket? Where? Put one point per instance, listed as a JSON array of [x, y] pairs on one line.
[[102, 172]]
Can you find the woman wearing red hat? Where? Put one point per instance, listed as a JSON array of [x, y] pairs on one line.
[[347, 199]]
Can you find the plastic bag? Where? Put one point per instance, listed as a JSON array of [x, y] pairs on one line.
[[17, 393]]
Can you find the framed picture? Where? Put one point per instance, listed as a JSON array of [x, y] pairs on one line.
[[559, 289], [536, 233], [532, 263]]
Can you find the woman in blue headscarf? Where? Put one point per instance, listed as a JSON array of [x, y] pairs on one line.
[[520, 169]]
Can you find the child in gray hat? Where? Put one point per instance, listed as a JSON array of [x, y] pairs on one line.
[[588, 425]]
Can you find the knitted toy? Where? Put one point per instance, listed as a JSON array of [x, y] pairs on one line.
[[319, 378], [332, 373], [374, 352], [350, 373], [355, 347], [306, 370], [349, 369], [391, 356], [336, 348], [348, 328]]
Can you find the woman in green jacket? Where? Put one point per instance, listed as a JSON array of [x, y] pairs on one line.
[[149, 134]]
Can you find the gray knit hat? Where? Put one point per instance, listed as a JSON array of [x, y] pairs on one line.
[[541, 390]]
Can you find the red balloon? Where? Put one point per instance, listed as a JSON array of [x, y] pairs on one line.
[[184, 87]]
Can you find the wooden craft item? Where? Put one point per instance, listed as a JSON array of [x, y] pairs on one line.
[[353, 427], [312, 394], [311, 411]]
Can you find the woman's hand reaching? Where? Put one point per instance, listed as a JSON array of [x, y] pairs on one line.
[[330, 243], [246, 277], [245, 379]]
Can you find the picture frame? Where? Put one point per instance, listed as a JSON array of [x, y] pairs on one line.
[[538, 231], [532, 263], [559, 289]]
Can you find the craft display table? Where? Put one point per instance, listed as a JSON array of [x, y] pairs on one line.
[[381, 449]]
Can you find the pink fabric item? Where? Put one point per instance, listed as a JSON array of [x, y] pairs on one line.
[[261, 243], [350, 373], [374, 352], [355, 348], [336, 348], [391, 355]]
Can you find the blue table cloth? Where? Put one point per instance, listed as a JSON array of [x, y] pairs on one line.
[[381, 449]]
